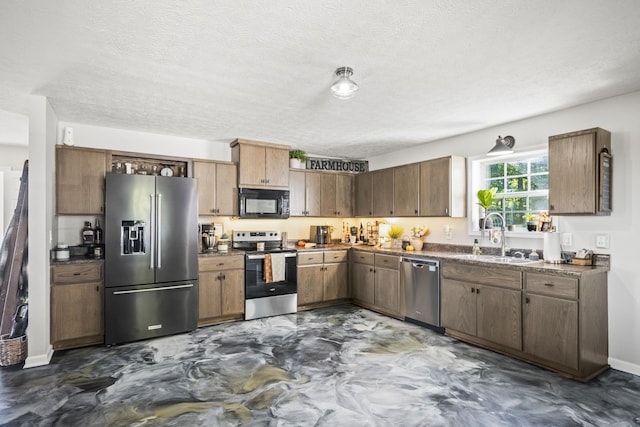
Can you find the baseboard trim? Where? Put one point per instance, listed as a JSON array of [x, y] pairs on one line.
[[39, 359], [627, 367]]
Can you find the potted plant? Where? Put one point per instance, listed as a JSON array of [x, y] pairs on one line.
[[298, 159], [395, 232], [532, 225], [485, 197]]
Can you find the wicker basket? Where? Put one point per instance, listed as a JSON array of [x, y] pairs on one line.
[[12, 350]]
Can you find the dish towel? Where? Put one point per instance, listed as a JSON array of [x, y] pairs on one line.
[[274, 268]]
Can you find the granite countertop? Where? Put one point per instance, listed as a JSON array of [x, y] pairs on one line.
[[218, 253], [77, 260]]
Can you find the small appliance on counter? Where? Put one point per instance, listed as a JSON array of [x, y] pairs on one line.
[[552, 249], [320, 234], [208, 234]]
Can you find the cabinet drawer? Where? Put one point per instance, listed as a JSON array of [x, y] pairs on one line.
[[362, 257], [215, 263], [388, 261], [493, 275], [76, 273], [306, 258], [335, 256], [551, 285]]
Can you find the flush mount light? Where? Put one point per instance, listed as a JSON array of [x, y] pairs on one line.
[[503, 146], [344, 87]]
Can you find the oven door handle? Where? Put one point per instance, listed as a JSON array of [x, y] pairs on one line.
[[261, 256]]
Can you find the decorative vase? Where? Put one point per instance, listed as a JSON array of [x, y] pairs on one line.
[[532, 226], [417, 244], [297, 164]]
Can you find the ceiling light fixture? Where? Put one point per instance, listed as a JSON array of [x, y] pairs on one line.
[[503, 146], [344, 87]]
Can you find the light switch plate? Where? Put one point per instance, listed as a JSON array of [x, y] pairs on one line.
[[602, 241]]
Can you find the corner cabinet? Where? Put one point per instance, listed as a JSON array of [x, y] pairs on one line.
[[77, 295], [261, 164], [80, 176], [221, 287], [443, 187], [580, 173], [217, 187]]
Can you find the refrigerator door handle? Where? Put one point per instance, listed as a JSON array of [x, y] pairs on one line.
[[164, 288], [152, 262], [159, 237]]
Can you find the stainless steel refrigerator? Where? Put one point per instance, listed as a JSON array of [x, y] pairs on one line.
[[151, 256]]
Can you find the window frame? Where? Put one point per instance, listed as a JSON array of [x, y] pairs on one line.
[[475, 181]]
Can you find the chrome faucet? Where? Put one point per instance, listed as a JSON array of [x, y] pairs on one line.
[[502, 237]]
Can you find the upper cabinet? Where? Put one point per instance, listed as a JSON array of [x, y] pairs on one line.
[[336, 195], [325, 194], [304, 193], [431, 188], [80, 180], [580, 173], [261, 165], [217, 187], [443, 187], [406, 190]]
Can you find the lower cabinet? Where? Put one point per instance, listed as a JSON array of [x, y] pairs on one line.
[[484, 311], [322, 277], [221, 286], [566, 322], [375, 282], [77, 300]]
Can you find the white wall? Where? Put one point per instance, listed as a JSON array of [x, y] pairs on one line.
[[620, 116], [42, 137], [13, 156]]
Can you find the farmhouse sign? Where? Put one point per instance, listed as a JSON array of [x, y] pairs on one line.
[[337, 165]]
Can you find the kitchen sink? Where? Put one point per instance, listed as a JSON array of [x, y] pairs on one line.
[[494, 259]]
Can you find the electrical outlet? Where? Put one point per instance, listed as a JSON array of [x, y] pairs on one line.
[[602, 241], [567, 240]]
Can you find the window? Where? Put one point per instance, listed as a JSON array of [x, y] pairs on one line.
[[522, 181]]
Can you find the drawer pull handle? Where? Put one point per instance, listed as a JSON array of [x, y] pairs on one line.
[[77, 274], [548, 284]]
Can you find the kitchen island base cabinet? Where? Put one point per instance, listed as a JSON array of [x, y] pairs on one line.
[[221, 289], [77, 295]]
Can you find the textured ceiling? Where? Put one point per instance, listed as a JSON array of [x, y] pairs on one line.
[[218, 70]]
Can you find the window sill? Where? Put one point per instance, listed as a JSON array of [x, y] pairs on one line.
[[518, 234]]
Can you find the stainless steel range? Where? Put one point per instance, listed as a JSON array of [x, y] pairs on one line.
[[270, 275]]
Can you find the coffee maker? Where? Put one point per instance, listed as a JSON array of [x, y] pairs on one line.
[[320, 234], [208, 233]]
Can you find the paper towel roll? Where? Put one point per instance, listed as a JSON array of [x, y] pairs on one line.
[[552, 250]]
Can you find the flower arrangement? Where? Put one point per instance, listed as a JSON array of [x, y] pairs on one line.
[[419, 231]]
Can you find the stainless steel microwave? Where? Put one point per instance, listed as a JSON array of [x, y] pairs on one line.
[[260, 203]]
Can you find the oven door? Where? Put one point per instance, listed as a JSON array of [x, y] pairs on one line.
[[256, 287]]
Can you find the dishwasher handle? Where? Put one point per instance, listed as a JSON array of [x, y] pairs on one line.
[[421, 263]]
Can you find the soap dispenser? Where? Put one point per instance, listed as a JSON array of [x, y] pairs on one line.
[[476, 248], [533, 256]]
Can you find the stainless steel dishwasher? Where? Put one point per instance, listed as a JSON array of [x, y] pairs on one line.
[[421, 280]]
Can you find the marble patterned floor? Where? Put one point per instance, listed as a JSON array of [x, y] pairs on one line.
[[337, 366]]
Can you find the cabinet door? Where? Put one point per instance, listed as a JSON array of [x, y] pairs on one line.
[[335, 281], [458, 306], [252, 165], [364, 195], [572, 175], [328, 195], [309, 284], [80, 181], [226, 189], [297, 193], [406, 191], [344, 195], [500, 316], [435, 188], [76, 312], [205, 173], [382, 182], [232, 292], [362, 280], [387, 290], [312, 193], [209, 304], [276, 167], [551, 329]]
